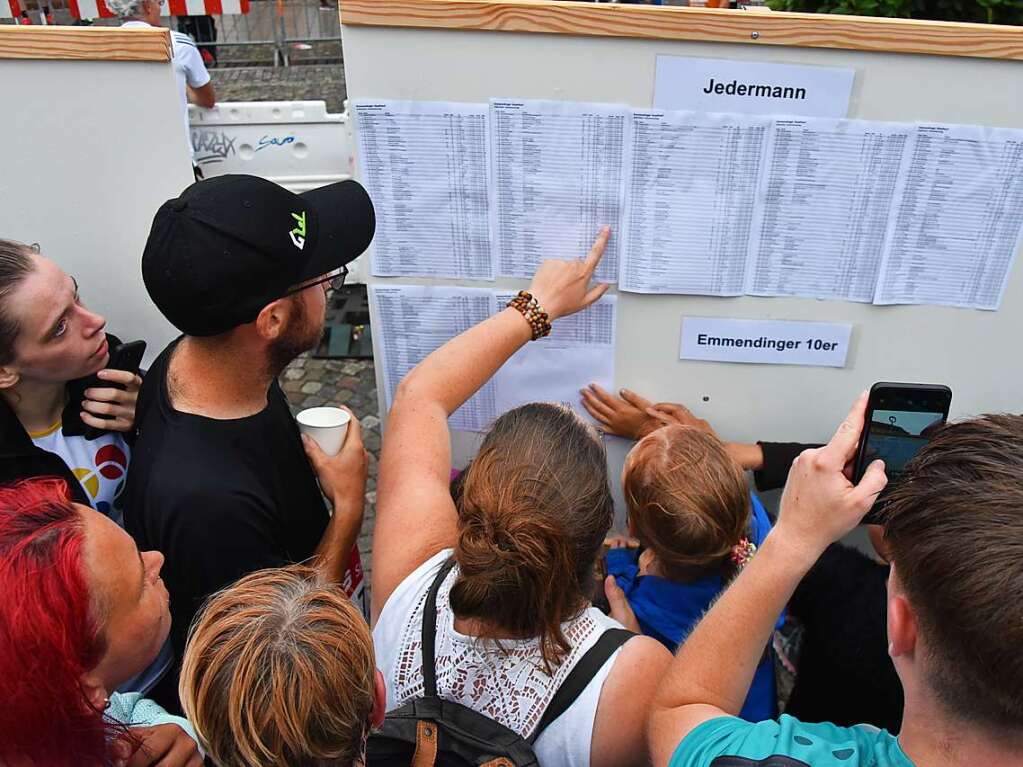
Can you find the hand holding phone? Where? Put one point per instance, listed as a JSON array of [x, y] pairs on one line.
[[900, 419], [109, 400]]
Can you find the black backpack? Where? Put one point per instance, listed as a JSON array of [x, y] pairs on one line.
[[433, 732]]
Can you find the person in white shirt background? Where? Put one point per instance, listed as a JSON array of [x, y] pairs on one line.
[[190, 72]]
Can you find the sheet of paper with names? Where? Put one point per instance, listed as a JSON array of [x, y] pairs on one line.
[[559, 175], [691, 196], [580, 350], [823, 207], [411, 321], [426, 166], [414, 320], [959, 220]]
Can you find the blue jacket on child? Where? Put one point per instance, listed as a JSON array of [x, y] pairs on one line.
[[668, 611]]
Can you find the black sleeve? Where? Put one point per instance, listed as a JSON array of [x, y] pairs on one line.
[[778, 458], [844, 673]]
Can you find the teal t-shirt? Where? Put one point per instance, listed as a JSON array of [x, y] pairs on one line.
[[787, 742]]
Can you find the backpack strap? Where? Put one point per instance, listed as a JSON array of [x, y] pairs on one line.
[[430, 631], [580, 676]]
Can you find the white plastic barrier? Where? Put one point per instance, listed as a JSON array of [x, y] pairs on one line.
[[296, 144]]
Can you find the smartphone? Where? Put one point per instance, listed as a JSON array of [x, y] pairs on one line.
[[900, 419], [122, 357]]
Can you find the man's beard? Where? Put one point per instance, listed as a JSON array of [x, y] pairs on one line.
[[301, 335]]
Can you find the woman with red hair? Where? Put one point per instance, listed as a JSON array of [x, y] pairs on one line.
[[83, 611]]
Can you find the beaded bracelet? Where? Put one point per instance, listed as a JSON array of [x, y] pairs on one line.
[[537, 318]]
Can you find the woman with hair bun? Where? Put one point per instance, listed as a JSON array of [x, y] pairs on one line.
[[513, 614]]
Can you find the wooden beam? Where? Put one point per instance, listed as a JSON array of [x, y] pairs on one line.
[[84, 43], [863, 33]]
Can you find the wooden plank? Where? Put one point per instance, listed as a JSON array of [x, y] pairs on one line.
[[84, 43], [865, 33]]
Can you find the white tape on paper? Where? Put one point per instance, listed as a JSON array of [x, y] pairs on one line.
[[765, 342]]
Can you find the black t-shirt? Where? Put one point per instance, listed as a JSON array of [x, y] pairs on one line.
[[218, 498], [845, 675]]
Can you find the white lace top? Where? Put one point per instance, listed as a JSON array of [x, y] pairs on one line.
[[507, 684]]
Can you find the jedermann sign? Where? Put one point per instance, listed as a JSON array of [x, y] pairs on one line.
[[751, 87]]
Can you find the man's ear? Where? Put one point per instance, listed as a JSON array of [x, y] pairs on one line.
[[95, 692], [273, 319], [376, 716], [902, 623], [8, 377]]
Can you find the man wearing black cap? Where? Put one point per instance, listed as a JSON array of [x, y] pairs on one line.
[[220, 482]]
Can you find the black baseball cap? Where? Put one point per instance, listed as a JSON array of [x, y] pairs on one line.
[[230, 245]]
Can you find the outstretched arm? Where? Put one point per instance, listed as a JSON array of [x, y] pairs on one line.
[[415, 514], [711, 675]]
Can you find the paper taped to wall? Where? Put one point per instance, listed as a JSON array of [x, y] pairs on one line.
[[426, 165], [414, 320]]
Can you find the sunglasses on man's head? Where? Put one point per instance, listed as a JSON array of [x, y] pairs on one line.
[[334, 281]]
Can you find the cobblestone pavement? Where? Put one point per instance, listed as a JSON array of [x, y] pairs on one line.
[[299, 82], [311, 382]]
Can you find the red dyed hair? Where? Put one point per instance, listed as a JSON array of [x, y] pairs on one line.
[[48, 636]]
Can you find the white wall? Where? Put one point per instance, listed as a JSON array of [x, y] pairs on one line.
[[90, 149], [975, 352]]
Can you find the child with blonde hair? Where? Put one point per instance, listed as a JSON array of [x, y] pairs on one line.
[[697, 524]]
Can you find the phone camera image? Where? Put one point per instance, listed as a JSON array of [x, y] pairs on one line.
[[897, 435]]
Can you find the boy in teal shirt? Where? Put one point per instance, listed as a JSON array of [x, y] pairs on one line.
[[955, 534]]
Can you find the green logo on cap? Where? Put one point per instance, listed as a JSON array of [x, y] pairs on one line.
[[298, 233]]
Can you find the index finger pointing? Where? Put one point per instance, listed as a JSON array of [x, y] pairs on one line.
[[597, 251], [842, 446]]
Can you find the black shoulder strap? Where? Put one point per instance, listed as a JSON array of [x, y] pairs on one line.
[[430, 631], [581, 675]]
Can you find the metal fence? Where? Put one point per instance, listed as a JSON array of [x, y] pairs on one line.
[[278, 32]]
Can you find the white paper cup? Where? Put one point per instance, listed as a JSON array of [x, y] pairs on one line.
[[326, 425]]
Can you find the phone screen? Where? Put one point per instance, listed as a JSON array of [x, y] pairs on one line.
[[895, 436]]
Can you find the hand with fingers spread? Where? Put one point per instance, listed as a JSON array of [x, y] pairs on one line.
[[111, 408], [623, 416], [668, 413], [563, 287], [820, 504], [748, 456]]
